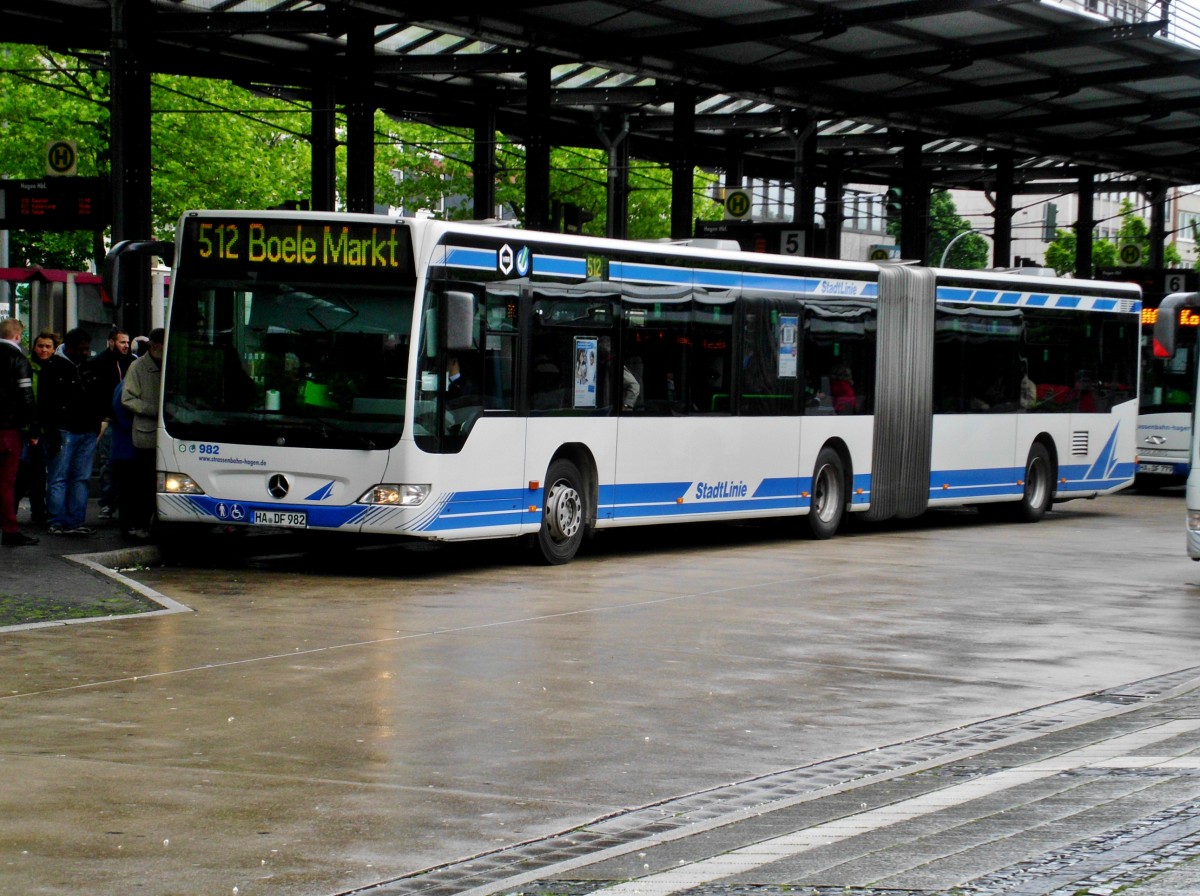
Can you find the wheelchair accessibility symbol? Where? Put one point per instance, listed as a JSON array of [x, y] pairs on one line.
[[233, 512]]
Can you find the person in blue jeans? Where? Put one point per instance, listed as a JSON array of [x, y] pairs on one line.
[[71, 425], [125, 470]]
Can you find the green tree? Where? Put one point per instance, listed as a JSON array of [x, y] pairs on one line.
[[216, 145], [45, 97], [971, 252], [424, 167], [1060, 254], [213, 144]]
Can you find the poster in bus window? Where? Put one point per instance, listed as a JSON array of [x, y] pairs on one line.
[[585, 371], [789, 325]]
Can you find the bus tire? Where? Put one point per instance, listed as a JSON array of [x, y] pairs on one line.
[[1039, 486], [564, 514], [182, 544], [828, 504]]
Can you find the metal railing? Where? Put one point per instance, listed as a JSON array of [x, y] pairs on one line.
[[1182, 16]]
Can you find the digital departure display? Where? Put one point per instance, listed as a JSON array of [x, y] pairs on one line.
[[236, 247], [1188, 317]]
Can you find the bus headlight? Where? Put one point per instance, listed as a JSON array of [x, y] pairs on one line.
[[178, 484], [1193, 520], [403, 495]]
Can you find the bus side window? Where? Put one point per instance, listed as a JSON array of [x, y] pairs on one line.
[[839, 352], [770, 358], [656, 335], [711, 340], [570, 343], [499, 359]]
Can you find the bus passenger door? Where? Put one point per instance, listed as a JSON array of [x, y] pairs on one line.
[[572, 385]]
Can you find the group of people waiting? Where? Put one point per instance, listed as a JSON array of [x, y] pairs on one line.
[[64, 413]]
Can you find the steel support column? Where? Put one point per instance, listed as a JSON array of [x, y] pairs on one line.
[[483, 161], [1085, 224], [1002, 211], [360, 117], [537, 146], [683, 164], [324, 143], [130, 121], [1156, 192], [914, 203], [835, 215], [617, 199], [735, 161], [804, 205]]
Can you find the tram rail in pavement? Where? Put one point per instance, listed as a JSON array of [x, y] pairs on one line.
[[909, 819]]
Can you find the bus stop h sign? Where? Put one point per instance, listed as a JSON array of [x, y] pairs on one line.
[[61, 157]]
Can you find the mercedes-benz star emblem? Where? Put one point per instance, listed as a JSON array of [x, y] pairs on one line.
[[278, 486]]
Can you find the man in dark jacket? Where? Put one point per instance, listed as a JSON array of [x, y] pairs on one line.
[[16, 411], [103, 372], [71, 424]]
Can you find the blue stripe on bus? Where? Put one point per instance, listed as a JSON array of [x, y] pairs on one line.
[[499, 508], [972, 296], [644, 493], [226, 511], [560, 266], [670, 276], [478, 521], [475, 259], [643, 273], [718, 279]]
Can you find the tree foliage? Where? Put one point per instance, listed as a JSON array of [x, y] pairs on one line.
[[420, 167], [1061, 253], [46, 97], [218, 145], [970, 252]]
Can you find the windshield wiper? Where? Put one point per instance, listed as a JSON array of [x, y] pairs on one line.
[[327, 426]]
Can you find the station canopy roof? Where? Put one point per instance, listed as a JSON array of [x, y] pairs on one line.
[[1109, 87]]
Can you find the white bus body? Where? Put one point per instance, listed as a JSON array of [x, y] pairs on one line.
[[319, 433]]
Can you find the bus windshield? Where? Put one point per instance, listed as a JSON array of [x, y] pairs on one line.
[[287, 363], [1168, 383]]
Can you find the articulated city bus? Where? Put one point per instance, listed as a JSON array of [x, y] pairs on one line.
[[445, 381]]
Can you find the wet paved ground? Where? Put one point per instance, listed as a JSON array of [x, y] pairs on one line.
[[904, 710]]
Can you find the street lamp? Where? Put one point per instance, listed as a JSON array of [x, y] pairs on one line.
[[958, 236]]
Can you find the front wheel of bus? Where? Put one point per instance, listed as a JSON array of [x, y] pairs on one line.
[[563, 515], [828, 503], [1039, 485]]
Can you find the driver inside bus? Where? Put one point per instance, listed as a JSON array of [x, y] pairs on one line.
[[460, 389], [464, 402]]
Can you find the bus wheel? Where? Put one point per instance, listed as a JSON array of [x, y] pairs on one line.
[[563, 516], [828, 495], [1039, 485]]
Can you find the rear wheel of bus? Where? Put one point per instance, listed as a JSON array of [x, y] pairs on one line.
[[828, 502], [1037, 491], [1038, 485], [564, 513]]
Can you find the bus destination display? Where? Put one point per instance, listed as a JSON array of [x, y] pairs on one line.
[[231, 245]]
